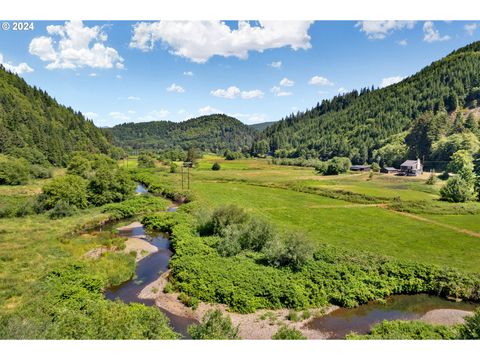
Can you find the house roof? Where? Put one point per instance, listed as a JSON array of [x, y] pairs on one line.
[[389, 168], [410, 163], [360, 166]]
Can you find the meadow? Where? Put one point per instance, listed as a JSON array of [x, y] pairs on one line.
[[271, 192]]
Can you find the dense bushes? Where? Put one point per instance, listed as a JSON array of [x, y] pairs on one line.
[[69, 188], [109, 186], [246, 282], [137, 205], [145, 161], [214, 326], [286, 333], [216, 166], [408, 330], [68, 303], [19, 171], [471, 328], [456, 190], [334, 166]]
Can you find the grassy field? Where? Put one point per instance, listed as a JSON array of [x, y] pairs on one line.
[[325, 220]]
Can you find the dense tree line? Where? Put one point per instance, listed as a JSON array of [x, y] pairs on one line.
[[207, 133], [34, 126], [357, 123]]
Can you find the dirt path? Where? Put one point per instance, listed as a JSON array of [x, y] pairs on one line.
[[434, 222], [260, 325]]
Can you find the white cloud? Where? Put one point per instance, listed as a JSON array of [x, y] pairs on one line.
[[182, 111], [250, 118], [252, 94], [17, 69], [175, 88], [208, 110], [431, 34], [319, 80], [390, 81], [77, 46], [230, 93], [188, 73], [200, 40], [133, 98], [342, 90], [276, 64], [116, 115], [286, 82], [234, 92], [131, 112], [153, 116], [277, 91], [470, 28], [92, 75], [403, 42], [90, 115], [119, 77], [381, 29]]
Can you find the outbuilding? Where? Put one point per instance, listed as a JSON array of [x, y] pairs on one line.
[[360, 168], [389, 170]]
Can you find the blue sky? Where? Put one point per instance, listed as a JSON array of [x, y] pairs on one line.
[[116, 72]]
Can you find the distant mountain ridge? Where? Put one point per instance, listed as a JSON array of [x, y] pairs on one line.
[[208, 133], [262, 126]]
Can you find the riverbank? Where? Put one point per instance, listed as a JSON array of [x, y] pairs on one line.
[[260, 325]]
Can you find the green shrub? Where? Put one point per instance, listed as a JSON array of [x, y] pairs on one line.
[[214, 326], [293, 316], [136, 205], [145, 161], [287, 333], [168, 288], [216, 166], [190, 301], [173, 168], [61, 209], [14, 172], [225, 216], [407, 330], [292, 250], [40, 172], [69, 188], [109, 186], [471, 328], [456, 190]]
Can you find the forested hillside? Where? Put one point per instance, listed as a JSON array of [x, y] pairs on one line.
[[207, 133], [33, 125], [357, 123]]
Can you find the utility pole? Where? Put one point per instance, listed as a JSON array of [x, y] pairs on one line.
[[182, 175]]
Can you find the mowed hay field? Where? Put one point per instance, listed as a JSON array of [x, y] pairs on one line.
[[372, 227]]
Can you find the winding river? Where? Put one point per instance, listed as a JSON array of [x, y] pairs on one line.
[[337, 324]]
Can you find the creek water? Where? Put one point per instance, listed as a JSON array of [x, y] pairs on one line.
[[397, 307], [147, 270]]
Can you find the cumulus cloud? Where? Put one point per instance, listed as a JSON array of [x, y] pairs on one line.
[[17, 69], [153, 116], [74, 45], [390, 81], [276, 64], [133, 98], [250, 118], [92, 75], [277, 91], [117, 115], [286, 82], [342, 90], [403, 42], [200, 40], [234, 92], [431, 34], [208, 110], [319, 80], [470, 28], [381, 29], [175, 88], [188, 73]]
